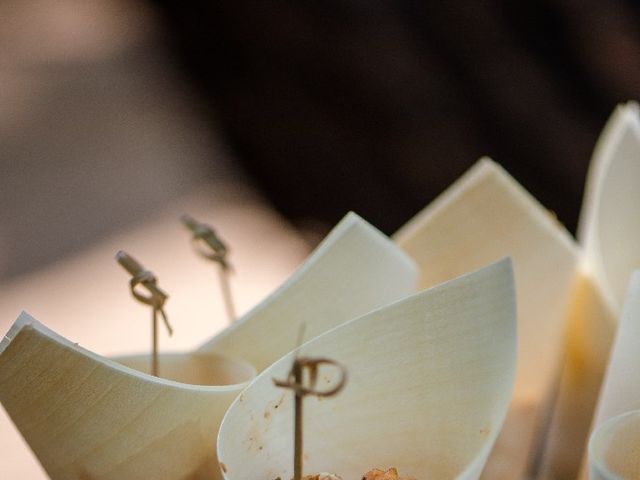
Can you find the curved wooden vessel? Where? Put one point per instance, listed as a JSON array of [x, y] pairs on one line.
[[620, 391], [616, 432], [614, 449], [430, 378], [610, 220], [608, 231], [482, 217], [86, 416], [355, 269]]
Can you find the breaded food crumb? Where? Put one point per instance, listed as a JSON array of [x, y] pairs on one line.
[[391, 474]]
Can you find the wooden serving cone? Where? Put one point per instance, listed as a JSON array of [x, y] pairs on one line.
[[609, 230], [621, 387], [615, 441], [87, 417], [614, 448], [610, 225], [430, 378], [355, 269], [482, 217]]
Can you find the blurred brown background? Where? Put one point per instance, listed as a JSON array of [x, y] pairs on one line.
[[379, 105], [110, 109]]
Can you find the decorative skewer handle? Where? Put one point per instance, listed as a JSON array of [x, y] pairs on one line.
[[216, 250], [295, 381], [156, 299]]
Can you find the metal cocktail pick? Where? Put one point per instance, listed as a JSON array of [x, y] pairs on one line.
[[215, 250], [155, 298], [296, 382]]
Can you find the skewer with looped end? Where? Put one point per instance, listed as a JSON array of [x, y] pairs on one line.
[[295, 381], [156, 299], [208, 245]]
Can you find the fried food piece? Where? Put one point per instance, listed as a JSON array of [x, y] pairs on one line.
[[391, 474]]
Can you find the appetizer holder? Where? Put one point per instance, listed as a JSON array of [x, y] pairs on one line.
[[431, 373], [621, 387], [482, 217], [355, 269], [569, 293], [608, 233], [614, 448], [430, 378], [85, 416]]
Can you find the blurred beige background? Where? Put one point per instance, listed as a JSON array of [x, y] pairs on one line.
[[102, 146], [97, 129]]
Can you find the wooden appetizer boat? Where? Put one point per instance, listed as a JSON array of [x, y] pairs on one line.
[[430, 378], [431, 373], [569, 294], [484, 216], [610, 225], [620, 391], [608, 234], [353, 271], [614, 449], [86, 416]]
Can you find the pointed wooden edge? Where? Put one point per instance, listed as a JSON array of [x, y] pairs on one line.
[[624, 121], [485, 167]]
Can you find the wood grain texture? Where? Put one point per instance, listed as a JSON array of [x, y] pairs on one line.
[[621, 387], [122, 423], [590, 331], [356, 269], [89, 281], [430, 379], [482, 217], [609, 232], [87, 417], [609, 225]]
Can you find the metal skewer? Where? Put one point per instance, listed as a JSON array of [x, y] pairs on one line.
[[215, 250], [155, 298]]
